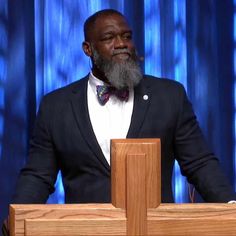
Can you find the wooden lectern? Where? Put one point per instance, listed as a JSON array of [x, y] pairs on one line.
[[136, 207]]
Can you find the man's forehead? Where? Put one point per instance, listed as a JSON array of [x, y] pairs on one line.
[[110, 23], [113, 22]]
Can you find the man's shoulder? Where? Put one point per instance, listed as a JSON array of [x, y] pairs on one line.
[[62, 92], [162, 83]]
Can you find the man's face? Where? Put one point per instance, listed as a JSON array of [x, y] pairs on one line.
[[112, 38], [113, 53]]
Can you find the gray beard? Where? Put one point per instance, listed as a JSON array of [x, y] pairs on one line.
[[119, 74]]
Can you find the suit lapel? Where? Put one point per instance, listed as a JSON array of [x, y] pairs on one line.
[[80, 110], [142, 97]]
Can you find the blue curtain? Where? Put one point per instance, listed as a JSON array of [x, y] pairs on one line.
[[17, 107], [40, 50]]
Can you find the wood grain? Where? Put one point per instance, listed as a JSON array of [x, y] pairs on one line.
[[192, 219], [75, 227], [136, 195], [167, 219], [123, 147], [18, 213]]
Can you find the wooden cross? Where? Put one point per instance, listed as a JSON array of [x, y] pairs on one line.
[[136, 207]]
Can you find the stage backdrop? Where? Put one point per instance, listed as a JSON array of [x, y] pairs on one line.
[[192, 42]]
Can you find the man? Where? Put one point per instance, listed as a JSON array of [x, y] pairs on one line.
[[74, 125]]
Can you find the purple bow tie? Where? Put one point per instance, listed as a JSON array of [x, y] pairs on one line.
[[104, 92]]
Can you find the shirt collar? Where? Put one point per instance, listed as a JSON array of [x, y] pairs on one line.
[[94, 82]]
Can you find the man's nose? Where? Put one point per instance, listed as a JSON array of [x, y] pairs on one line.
[[119, 42]]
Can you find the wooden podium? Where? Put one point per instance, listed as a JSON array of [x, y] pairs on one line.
[[136, 207]]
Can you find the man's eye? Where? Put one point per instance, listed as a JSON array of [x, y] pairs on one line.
[[110, 37], [127, 36]]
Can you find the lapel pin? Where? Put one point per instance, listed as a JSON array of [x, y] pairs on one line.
[[145, 97]]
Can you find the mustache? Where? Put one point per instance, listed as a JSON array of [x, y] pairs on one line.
[[133, 54], [121, 50]]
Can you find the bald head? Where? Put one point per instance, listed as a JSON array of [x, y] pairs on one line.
[[91, 21]]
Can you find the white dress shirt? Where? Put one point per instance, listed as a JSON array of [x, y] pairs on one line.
[[109, 121]]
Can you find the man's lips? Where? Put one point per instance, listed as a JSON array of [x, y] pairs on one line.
[[122, 55]]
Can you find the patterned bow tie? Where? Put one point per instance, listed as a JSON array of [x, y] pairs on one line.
[[104, 92]]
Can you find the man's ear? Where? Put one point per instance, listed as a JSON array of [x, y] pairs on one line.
[[87, 48]]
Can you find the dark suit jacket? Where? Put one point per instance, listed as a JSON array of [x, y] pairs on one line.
[[64, 139]]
